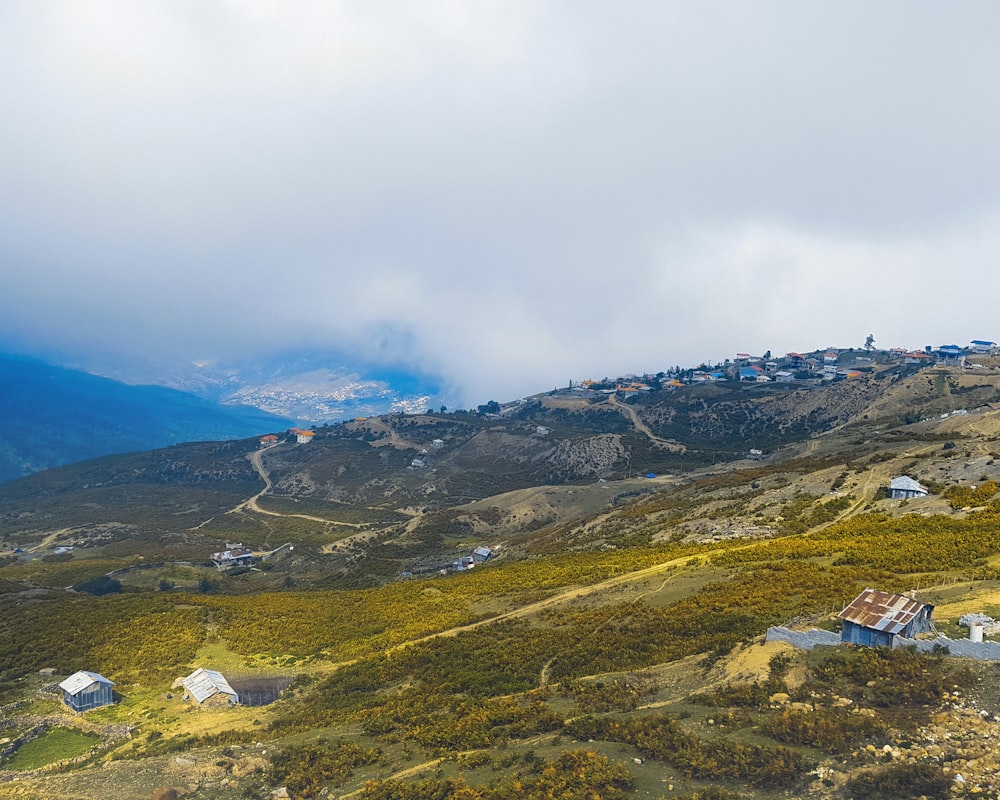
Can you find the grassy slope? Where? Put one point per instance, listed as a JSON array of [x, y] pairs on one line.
[[568, 650]]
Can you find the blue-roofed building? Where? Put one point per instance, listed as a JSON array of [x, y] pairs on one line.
[[875, 618], [982, 346], [84, 690], [951, 352]]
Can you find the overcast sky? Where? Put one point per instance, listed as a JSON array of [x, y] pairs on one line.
[[505, 194]]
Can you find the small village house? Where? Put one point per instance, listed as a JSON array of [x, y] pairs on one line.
[[876, 618], [951, 352], [84, 690], [917, 357], [266, 441], [481, 554], [302, 436], [234, 556], [904, 488], [208, 686]]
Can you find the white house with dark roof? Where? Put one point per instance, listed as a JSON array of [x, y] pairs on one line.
[[84, 690]]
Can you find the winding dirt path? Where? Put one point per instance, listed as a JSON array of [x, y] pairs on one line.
[[626, 409], [557, 599], [252, 504]]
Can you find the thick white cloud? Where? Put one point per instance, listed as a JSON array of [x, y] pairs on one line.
[[505, 193]]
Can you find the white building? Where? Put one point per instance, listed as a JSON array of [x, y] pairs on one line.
[[904, 487]]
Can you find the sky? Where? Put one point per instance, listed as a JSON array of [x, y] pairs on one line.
[[506, 195]]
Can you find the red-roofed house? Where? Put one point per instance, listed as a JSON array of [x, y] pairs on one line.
[[302, 436]]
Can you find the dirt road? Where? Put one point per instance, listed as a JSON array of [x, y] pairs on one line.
[[626, 409], [252, 504]]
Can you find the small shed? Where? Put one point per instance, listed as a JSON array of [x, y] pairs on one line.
[[84, 690], [481, 554], [875, 618], [904, 487], [210, 686]]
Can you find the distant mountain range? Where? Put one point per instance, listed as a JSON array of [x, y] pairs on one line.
[[308, 386], [51, 416]]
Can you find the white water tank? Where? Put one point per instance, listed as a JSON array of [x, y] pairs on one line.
[[975, 632]]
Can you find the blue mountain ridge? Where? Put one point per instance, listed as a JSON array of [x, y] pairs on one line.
[[50, 416]]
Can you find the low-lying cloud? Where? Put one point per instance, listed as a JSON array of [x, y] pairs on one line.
[[504, 194]]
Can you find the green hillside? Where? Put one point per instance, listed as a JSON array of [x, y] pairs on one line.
[[611, 646]]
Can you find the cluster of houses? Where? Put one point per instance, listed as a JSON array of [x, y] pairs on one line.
[[83, 690], [833, 364], [301, 435], [420, 462], [479, 555]]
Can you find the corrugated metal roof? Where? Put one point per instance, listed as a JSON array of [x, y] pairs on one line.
[[882, 611], [203, 683], [906, 483], [79, 681]]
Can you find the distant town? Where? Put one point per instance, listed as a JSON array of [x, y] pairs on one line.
[[818, 366]]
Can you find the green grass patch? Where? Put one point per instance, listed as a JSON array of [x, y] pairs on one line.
[[54, 745]]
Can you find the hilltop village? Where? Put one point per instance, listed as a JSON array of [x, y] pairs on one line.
[[815, 367]]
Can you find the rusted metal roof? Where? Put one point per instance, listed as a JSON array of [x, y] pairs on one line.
[[882, 611]]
